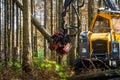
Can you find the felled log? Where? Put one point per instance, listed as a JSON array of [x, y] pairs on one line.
[[36, 23], [104, 75]]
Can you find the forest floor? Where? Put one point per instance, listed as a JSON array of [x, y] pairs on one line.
[[48, 70], [39, 75]]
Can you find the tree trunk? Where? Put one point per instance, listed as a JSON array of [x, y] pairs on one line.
[[80, 27], [0, 32], [9, 30], [73, 39], [104, 75], [33, 31], [59, 23], [46, 24], [5, 36], [21, 38], [90, 11], [13, 31], [60, 7], [27, 64]]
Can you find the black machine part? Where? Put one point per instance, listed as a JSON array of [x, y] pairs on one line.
[[111, 5]]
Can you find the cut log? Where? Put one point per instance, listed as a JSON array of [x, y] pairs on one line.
[[36, 23], [104, 75]]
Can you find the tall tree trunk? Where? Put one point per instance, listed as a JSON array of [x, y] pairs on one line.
[[59, 22], [21, 34], [90, 11], [45, 41], [52, 27], [60, 7], [0, 32], [27, 49], [72, 53], [13, 31], [17, 26], [5, 35], [10, 31], [47, 26], [79, 25], [33, 31]]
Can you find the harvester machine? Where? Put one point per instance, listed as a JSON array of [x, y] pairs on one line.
[[100, 45]]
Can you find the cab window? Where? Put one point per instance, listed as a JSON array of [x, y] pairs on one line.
[[101, 25]]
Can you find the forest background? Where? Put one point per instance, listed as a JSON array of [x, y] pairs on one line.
[[40, 60]]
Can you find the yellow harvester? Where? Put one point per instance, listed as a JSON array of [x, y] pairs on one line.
[[102, 41]]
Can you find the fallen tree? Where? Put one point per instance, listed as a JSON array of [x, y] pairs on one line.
[[104, 75], [36, 23]]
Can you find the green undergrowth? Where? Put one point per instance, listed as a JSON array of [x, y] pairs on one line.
[[47, 70], [42, 69], [53, 66]]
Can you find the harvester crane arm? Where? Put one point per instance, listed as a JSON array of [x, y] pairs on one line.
[[110, 4], [67, 3], [61, 40]]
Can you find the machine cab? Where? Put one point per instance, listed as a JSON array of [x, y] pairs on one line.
[[101, 25], [102, 39]]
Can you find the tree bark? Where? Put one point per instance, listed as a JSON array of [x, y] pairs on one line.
[[47, 22], [90, 11], [0, 32], [13, 32], [10, 30], [73, 39], [27, 64], [5, 36], [21, 38]]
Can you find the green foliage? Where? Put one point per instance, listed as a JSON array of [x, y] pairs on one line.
[[38, 60], [40, 54], [14, 66], [40, 64], [53, 66]]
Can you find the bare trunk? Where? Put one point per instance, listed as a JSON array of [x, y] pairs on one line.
[[46, 23], [90, 11], [21, 38], [0, 33], [27, 48], [72, 53], [5, 36]]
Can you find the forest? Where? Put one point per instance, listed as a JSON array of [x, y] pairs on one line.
[[41, 40]]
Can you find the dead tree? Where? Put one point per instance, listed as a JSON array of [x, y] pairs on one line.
[[105, 75]]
